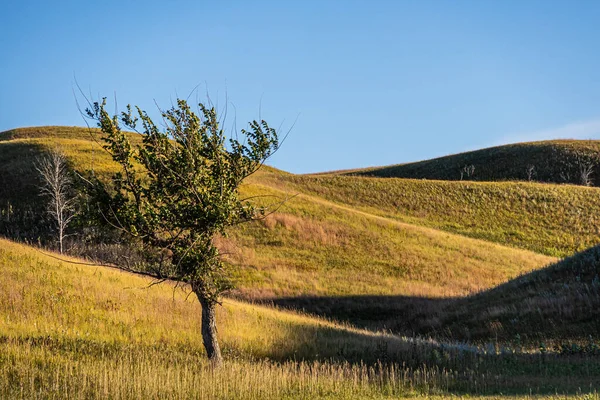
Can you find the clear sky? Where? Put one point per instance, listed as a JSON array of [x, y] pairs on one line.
[[370, 82]]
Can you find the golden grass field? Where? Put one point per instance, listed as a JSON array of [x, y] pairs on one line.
[[78, 331], [380, 250], [84, 331]]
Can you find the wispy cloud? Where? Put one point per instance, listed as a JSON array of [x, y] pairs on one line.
[[589, 129]]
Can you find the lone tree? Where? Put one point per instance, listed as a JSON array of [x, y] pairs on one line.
[[56, 186], [178, 189]]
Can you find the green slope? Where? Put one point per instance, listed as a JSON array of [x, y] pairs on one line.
[[556, 220], [556, 161]]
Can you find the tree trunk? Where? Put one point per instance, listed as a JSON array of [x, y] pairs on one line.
[[60, 239], [209, 331]]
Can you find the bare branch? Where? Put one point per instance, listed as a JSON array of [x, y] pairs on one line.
[[57, 187]]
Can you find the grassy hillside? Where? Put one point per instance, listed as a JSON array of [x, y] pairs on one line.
[[87, 331], [556, 220], [558, 306], [80, 331], [561, 301], [556, 161], [310, 246], [314, 247]]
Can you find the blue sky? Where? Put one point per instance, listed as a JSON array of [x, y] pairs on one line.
[[369, 82]]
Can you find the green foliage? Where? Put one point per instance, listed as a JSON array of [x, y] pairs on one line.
[[187, 189]]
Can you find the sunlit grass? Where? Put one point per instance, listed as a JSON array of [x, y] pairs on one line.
[[312, 246], [556, 220], [78, 331]]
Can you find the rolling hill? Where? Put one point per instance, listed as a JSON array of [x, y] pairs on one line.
[[555, 161], [312, 246], [561, 301], [386, 236]]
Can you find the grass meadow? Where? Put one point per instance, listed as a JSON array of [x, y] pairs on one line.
[[556, 220], [81, 331], [355, 288]]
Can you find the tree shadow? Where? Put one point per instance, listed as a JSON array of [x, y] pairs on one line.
[[455, 367]]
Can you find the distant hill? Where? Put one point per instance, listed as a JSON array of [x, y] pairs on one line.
[[44, 132], [556, 161]]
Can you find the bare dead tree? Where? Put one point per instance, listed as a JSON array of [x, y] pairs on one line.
[[586, 169], [467, 171], [56, 186], [531, 172], [586, 164], [565, 176], [585, 173]]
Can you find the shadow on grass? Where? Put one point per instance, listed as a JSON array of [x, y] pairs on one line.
[[558, 303], [403, 314], [21, 206], [455, 366]]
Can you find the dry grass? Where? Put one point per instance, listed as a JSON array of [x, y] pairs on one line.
[[41, 373], [152, 375], [312, 246], [75, 331], [556, 220]]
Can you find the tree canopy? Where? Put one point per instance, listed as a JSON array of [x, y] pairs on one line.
[[178, 189]]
